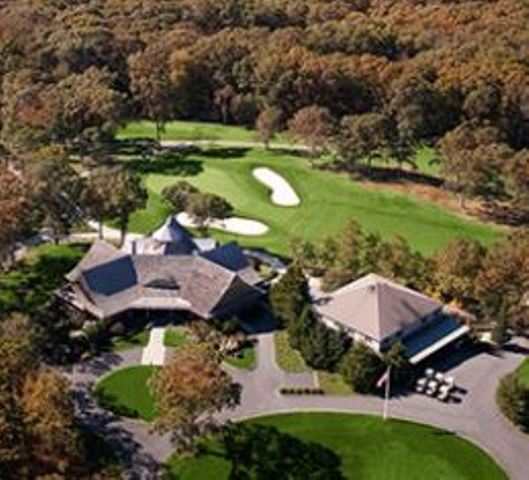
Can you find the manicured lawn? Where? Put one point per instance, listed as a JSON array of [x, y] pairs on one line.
[[328, 201], [367, 449], [175, 337], [31, 283], [126, 393], [333, 384], [287, 358], [139, 339], [523, 371], [245, 361], [193, 131]]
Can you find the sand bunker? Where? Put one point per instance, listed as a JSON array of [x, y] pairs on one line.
[[240, 226], [282, 192]]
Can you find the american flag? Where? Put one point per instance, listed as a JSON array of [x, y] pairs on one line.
[[384, 378]]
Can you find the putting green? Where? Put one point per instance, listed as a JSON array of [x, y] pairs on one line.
[[328, 201], [367, 449]]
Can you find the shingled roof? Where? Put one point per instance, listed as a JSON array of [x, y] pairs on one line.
[[376, 307], [108, 282]]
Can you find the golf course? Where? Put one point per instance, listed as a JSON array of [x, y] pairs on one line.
[[327, 199], [365, 448]]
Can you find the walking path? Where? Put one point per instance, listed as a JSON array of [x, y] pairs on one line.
[[154, 352], [474, 415]]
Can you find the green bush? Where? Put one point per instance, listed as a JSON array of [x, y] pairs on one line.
[[361, 367], [513, 399]]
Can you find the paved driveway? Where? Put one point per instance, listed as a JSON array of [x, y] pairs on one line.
[[475, 416]]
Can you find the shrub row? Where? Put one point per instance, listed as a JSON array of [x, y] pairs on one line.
[[301, 391]]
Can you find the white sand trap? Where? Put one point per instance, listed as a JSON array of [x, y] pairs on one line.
[[240, 226], [282, 192]]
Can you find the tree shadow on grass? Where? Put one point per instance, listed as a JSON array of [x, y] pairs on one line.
[[168, 163], [258, 452], [112, 403], [224, 153]]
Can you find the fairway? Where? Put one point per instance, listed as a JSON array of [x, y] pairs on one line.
[[367, 447], [328, 201], [125, 392], [183, 130]]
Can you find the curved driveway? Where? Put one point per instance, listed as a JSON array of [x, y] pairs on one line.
[[473, 415]]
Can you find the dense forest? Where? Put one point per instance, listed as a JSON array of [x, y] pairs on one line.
[[390, 74]]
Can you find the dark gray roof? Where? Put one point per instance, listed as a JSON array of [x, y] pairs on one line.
[[174, 238], [231, 256], [124, 282]]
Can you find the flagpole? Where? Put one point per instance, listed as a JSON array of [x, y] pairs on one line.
[[386, 396]]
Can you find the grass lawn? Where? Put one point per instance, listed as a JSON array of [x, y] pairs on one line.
[[139, 339], [523, 371], [328, 200], [31, 283], [125, 392], [367, 449], [175, 337], [180, 130], [287, 358], [333, 384], [245, 361]]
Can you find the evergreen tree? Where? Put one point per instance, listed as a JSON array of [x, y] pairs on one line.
[[361, 368], [290, 295]]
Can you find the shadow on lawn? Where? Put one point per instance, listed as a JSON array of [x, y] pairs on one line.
[[263, 452], [168, 163]]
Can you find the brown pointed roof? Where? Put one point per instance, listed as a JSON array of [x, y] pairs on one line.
[[376, 307]]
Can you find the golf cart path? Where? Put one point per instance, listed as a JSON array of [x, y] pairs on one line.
[[237, 225], [475, 417], [282, 192], [231, 143]]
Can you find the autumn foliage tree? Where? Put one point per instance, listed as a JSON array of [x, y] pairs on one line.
[[188, 391], [14, 204], [313, 126]]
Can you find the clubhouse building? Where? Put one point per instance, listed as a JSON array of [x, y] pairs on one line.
[[168, 271], [379, 312]]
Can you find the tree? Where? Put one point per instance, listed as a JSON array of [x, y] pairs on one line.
[[361, 367], [188, 391], [96, 195], [55, 190], [501, 285], [177, 194], [396, 359], [312, 125], [290, 295], [14, 209], [321, 347], [363, 137], [151, 84], [516, 173], [471, 160], [19, 358], [268, 123], [127, 195], [206, 206], [513, 399], [456, 267], [49, 417]]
